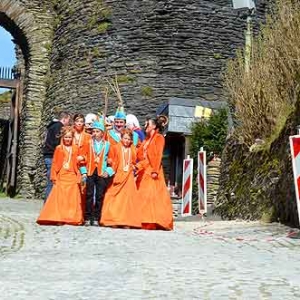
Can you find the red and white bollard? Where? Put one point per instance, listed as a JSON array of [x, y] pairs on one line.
[[201, 180], [295, 150], [187, 183]]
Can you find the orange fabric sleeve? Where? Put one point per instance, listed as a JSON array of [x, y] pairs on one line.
[[56, 162], [140, 152], [133, 159], [113, 157], [156, 152], [83, 151]]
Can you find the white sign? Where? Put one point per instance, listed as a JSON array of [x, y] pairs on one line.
[[243, 4]]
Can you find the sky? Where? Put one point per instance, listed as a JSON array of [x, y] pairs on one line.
[[7, 51]]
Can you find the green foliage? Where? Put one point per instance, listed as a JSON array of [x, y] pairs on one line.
[[217, 55], [3, 195], [147, 91], [99, 20], [103, 27], [96, 52], [210, 134], [48, 47], [125, 79], [105, 12], [5, 97], [263, 96], [92, 21]]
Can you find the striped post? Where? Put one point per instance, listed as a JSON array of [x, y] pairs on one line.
[[201, 180], [187, 182], [295, 150]]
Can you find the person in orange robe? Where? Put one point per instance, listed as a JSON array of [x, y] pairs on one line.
[[81, 138], [63, 205], [121, 207], [113, 135], [156, 210]]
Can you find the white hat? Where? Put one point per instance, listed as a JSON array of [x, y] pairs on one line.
[[132, 120], [90, 118], [111, 119]]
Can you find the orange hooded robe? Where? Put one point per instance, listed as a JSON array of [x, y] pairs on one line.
[[156, 210], [63, 205], [121, 206], [81, 143]]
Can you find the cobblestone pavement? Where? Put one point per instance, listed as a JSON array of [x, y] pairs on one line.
[[198, 260]]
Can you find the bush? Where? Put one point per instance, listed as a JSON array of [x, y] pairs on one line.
[[263, 97], [211, 135]]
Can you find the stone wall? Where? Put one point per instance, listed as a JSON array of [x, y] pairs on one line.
[[30, 23], [158, 49], [259, 184]]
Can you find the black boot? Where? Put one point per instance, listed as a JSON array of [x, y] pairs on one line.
[[92, 221]]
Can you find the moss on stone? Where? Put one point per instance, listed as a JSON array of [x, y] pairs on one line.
[[96, 52], [217, 55], [92, 21], [48, 47], [103, 27], [147, 91], [125, 79]]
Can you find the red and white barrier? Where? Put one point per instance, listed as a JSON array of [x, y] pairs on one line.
[[201, 180], [187, 183], [295, 150]]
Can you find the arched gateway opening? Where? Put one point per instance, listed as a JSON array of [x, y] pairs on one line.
[[32, 33]]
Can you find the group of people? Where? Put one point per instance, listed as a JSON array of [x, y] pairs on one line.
[[106, 172]]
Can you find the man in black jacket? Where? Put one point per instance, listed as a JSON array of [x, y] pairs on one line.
[[51, 141]]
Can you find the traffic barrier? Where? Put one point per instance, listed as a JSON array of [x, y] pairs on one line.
[[295, 150], [187, 183], [201, 180]]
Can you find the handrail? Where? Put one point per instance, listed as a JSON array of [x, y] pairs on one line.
[[7, 73]]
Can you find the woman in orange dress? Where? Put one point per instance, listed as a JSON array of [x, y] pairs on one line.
[[121, 207], [81, 138], [63, 205], [156, 210]]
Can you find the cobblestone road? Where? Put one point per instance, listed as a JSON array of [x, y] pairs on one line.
[[198, 260]]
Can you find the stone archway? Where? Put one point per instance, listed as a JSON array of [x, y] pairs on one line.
[[32, 33]]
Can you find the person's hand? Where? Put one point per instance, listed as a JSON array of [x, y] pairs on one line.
[[154, 175], [53, 181], [109, 161], [80, 158], [83, 178], [105, 175]]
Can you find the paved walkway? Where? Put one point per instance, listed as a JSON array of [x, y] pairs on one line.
[[198, 260]]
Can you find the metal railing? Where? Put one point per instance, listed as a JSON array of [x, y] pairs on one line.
[[7, 73]]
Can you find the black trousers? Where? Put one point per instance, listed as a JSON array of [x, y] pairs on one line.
[[98, 185]]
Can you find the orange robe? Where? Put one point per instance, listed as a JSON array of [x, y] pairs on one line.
[[156, 211], [121, 206], [112, 140], [83, 140], [63, 205]]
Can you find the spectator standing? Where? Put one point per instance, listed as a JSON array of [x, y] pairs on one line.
[[51, 141]]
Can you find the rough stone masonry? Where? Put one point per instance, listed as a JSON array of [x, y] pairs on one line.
[[158, 49]]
